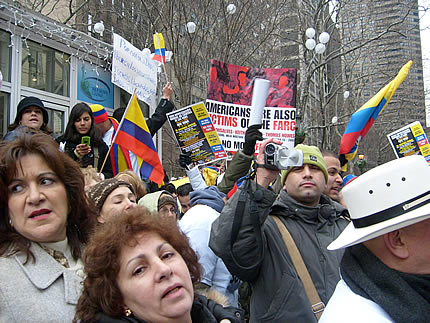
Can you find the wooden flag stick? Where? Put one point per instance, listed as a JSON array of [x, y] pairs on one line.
[[116, 133]]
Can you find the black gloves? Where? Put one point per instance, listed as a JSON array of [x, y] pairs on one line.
[[252, 134], [185, 161]]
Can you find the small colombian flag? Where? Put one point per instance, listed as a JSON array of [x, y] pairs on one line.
[[160, 49]]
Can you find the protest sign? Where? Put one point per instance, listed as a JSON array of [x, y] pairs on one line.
[[196, 134], [131, 69], [410, 140], [229, 103]]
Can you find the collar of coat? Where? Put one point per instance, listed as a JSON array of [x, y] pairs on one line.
[[326, 211], [46, 270]]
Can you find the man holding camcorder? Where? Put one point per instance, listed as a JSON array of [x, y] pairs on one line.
[[247, 235]]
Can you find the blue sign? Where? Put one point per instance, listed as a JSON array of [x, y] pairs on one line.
[[94, 85]]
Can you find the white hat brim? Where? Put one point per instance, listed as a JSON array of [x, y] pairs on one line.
[[351, 235]]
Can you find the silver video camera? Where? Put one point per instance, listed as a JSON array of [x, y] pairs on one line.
[[280, 157]]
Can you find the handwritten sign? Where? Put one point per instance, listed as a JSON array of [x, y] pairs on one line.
[[131, 69]]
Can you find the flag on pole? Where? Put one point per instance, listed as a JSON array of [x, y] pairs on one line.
[[363, 119], [160, 49], [133, 134]]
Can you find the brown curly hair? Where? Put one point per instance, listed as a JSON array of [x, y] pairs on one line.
[[102, 259], [80, 220]]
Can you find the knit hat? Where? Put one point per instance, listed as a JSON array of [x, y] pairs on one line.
[[166, 198], [348, 179], [100, 191], [99, 112], [311, 155], [30, 101]]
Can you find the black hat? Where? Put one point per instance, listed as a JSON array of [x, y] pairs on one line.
[[31, 101]]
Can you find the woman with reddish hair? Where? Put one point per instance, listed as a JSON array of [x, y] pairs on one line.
[[140, 268]]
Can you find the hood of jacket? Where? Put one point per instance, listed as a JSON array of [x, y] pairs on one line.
[[150, 200], [209, 196]]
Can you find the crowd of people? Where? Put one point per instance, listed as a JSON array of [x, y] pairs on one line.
[[83, 241]]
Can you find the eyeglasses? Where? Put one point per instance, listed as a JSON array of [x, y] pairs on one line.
[[168, 210]]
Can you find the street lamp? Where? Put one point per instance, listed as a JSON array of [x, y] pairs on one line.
[[311, 43]]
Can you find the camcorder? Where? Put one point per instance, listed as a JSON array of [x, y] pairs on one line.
[[280, 157]]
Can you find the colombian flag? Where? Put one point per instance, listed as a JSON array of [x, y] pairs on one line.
[[363, 118], [120, 158], [160, 49], [133, 134]]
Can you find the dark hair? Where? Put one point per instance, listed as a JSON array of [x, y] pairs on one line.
[[118, 114], [328, 153], [80, 220], [184, 189], [169, 187], [71, 134], [101, 259]]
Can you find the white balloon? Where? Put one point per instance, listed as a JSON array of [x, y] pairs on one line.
[[334, 119], [320, 48], [146, 51], [231, 9], [191, 27], [324, 37], [310, 44], [346, 94], [99, 27], [310, 33]]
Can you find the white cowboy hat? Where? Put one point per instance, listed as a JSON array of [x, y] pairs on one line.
[[386, 198]]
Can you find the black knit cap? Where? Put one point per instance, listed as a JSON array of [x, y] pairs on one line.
[[100, 191], [30, 101]]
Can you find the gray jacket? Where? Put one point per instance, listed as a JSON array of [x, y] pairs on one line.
[[278, 294], [43, 291]]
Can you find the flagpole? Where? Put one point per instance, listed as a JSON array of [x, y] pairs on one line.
[[162, 60], [116, 133]]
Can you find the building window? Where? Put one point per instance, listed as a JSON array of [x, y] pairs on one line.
[[5, 54], [45, 69], [4, 117]]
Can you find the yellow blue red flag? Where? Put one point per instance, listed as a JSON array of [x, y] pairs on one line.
[[160, 49], [362, 119], [133, 134]]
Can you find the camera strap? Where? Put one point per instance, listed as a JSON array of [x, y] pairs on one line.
[[267, 166]]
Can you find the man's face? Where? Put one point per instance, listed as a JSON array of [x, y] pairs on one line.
[[185, 202], [305, 184], [418, 242], [334, 183], [104, 126]]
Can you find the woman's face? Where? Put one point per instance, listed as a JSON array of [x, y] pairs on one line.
[[154, 280], [37, 201], [32, 117], [119, 200], [83, 123]]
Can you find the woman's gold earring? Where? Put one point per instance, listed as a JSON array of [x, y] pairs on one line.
[[127, 311]]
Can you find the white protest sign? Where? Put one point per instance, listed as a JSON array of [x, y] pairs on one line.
[[131, 69]]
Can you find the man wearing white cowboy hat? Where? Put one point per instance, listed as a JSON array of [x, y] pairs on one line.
[[386, 268]]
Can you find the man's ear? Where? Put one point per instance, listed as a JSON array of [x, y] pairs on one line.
[[395, 242]]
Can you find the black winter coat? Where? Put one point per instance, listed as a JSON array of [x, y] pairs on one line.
[[203, 311]]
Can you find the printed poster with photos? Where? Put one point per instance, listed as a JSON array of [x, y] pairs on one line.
[[196, 134], [410, 140], [229, 103]]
